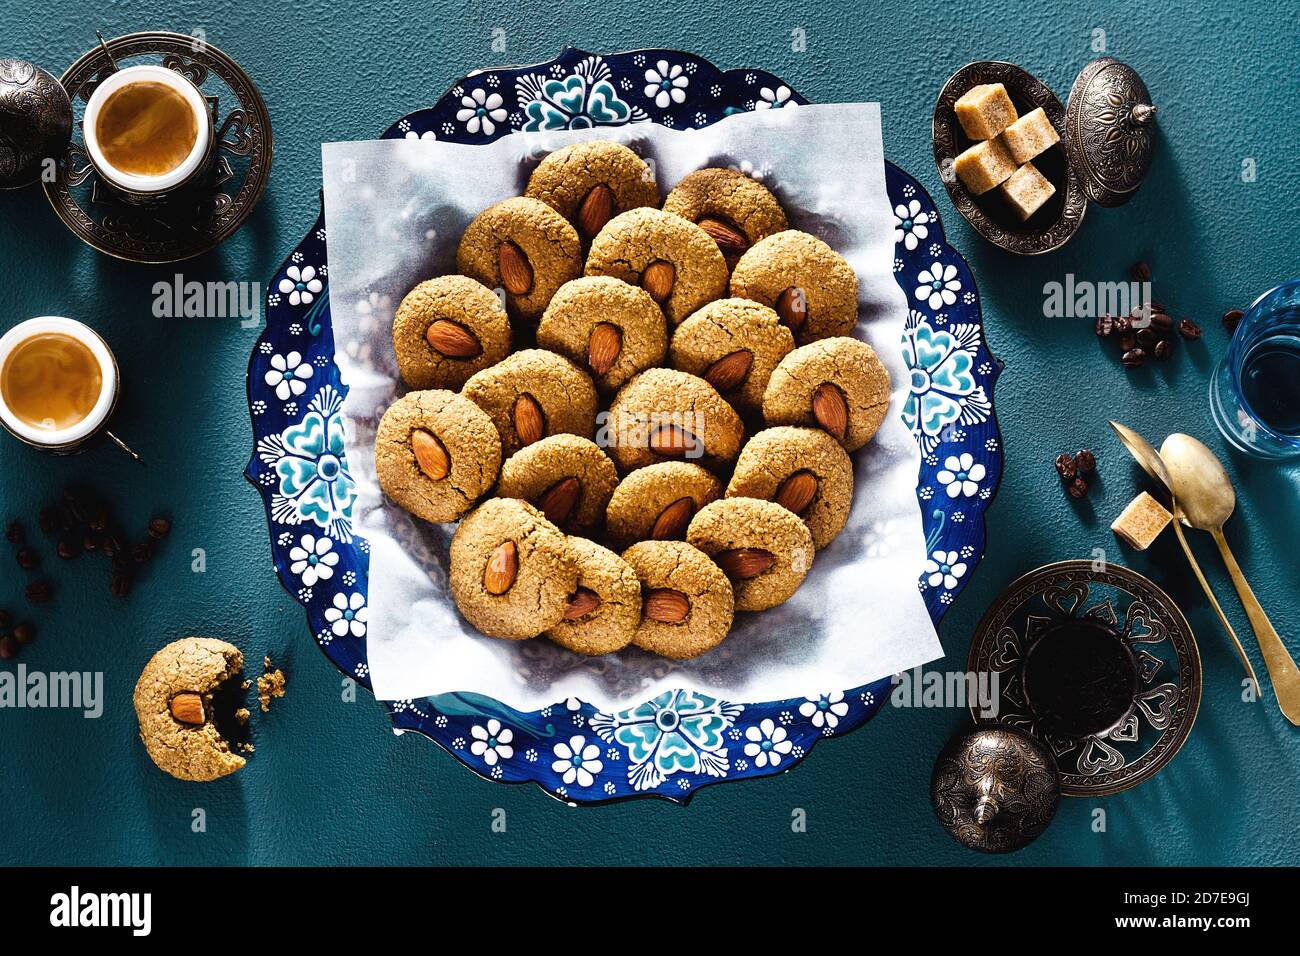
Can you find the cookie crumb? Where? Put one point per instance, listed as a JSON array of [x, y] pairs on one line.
[[269, 685], [242, 715]]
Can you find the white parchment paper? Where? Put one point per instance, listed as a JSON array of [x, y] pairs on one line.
[[395, 211]]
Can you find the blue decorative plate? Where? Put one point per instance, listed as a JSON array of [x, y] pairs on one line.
[[681, 740]]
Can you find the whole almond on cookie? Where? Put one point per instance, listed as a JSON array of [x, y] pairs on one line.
[[453, 340], [666, 606], [830, 409], [797, 491], [731, 242], [658, 279], [730, 370], [502, 568], [744, 563], [530, 423], [516, 271], [673, 520], [596, 210], [188, 708], [559, 501], [430, 454], [603, 347]]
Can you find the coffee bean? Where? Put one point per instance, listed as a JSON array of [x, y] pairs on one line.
[[8, 648], [1122, 324], [1140, 271], [68, 548], [79, 503], [1066, 467], [1162, 321], [91, 540], [120, 585], [1133, 358], [1146, 338], [14, 533], [1231, 318], [160, 527], [112, 545], [39, 592], [1163, 349], [143, 552], [1077, 488], [1128, 341], [25, 633], [99, 520], [28, 559], [1155, 308], [1086, 461], [1189, 329], [1105, 326]]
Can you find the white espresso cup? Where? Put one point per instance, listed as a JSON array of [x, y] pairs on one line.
[[136, 185], [72, 437]]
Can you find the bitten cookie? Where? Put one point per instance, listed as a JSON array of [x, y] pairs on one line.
[[566, 477], [612, 329], [733, 344], [591, 183], [811, 286], [735, 210], [511, 570], [764, 550], [523, 246], [837, 384], [436, 453], [605, 609], [173, 702], [802, 469], [532, 394], [663, 414], [657, 502], [672, 259], [447, 329], [686, 601]]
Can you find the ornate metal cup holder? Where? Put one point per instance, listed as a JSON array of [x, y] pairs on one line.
[[193, 221]]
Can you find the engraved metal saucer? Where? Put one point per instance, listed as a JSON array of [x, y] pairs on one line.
[[1099, 665], [194, 222]]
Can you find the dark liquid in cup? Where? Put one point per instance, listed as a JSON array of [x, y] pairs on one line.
[[1080, 678], [1270, 376], [146, 128]]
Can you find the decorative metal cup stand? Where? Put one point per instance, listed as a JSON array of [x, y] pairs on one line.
[[197, 220], [1099, 681]]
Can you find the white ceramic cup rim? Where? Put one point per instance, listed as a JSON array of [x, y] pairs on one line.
[[107, 370], [133, 181]]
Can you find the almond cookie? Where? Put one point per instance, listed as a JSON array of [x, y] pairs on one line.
[[591, 183], [605, 609], [837, 384], [511, 570], [447, 329], [436, 453], [733, 344], [810, 285], [664, 414], [657, 502], [764, 550], [672, 259], [612, 329], [523, 246], [173, 702], [532, 394], [686, 601], [565, 476], [735, 210], [802, 469]]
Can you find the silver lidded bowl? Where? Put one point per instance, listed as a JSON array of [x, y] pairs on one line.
[[35, 121], [1107, 136]]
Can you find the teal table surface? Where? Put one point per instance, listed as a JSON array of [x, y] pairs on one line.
[[330, 783]]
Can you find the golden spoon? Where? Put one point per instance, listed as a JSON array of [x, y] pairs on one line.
[[1152, 464], [1205, 493]]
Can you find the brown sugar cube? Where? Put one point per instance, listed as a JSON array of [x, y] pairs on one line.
[[1026, 190], [1029, 136], [984, 166], [985, 110], [1141, 522]]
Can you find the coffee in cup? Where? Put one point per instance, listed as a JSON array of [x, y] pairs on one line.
[[147, 130], [58, 382]]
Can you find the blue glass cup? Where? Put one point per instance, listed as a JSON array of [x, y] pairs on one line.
[[1255, 389]]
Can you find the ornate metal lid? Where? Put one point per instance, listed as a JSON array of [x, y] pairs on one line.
[[35, 121], [995, 789], [1110, 130]]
